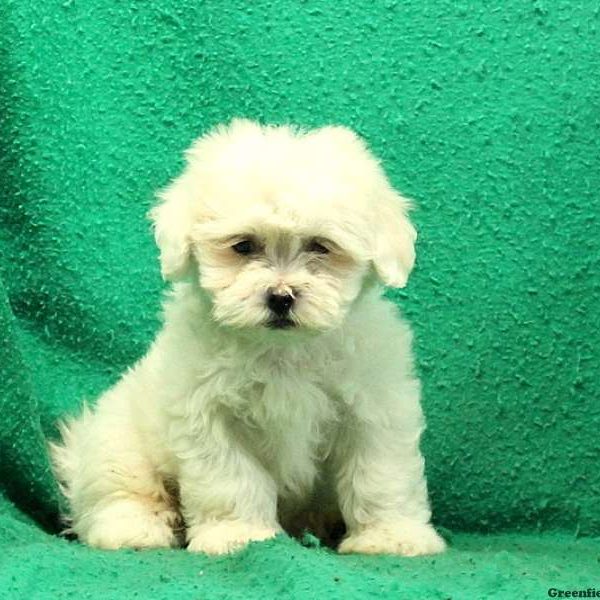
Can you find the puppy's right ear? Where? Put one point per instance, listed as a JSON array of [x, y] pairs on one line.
[[172, 219]]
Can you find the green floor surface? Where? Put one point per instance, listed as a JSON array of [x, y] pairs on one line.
[[35, 565]]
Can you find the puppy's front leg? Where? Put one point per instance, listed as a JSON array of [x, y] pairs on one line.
[[383, 493], [227, 498]]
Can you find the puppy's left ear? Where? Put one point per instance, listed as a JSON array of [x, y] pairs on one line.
[[172, 229], [394, 239]]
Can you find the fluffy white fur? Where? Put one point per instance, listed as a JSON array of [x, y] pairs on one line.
[[232, 425]]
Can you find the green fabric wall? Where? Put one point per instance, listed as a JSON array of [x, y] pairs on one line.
[[487, 115]]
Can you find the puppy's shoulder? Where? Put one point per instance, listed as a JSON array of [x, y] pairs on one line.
[[374, 316]]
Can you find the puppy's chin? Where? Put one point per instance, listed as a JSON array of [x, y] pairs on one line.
[[277, 335], [276, 328], [281, 323], [287, 329]]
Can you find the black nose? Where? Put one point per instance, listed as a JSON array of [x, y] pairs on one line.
[[280, 304]]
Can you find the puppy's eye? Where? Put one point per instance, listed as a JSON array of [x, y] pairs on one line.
[[317, 247], [244, 247]]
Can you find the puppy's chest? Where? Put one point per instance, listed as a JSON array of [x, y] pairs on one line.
[[288, 420], [284, 389], [284, 403]]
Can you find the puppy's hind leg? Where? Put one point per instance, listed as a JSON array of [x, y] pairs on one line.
[[116, 498], [131, 522]]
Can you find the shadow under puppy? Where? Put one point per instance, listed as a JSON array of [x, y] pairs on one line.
[[281, 384]]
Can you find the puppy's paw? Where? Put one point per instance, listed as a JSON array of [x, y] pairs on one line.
[[405, 538], [131, 524], [222, 537]]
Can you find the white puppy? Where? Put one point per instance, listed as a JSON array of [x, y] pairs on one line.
[[281, 384]]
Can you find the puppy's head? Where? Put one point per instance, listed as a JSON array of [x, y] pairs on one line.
[[281, 226]]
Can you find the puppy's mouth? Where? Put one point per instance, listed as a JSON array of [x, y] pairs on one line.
[[280, 323]]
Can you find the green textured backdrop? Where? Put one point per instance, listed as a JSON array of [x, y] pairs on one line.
[[487, 116]]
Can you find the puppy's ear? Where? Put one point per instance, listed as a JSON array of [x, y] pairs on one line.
[[172, 221], [393, 242], [394, 239]]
